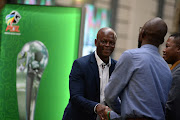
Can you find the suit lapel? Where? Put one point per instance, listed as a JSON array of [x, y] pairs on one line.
[[94, 68], [112, 67]]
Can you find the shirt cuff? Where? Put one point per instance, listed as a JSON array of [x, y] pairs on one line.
[[95, 108], [114, 116]]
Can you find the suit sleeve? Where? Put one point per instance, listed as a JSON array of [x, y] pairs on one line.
[[77, 93], [173, 104], [118, 81]]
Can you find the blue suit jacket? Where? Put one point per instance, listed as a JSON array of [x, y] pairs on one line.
[[84, 85]]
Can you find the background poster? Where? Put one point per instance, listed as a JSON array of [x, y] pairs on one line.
[[58, 28], [95, 18]]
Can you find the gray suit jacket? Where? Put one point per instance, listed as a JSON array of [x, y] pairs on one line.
[[173, 103]]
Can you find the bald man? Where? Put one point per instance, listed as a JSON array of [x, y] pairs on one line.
[[141, 78], [88, 78]]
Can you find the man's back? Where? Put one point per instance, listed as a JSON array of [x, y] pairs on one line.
[[141, 77], [142, 83], [148, 87]]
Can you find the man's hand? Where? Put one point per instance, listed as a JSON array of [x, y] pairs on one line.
[[105, 113], [102, 111]]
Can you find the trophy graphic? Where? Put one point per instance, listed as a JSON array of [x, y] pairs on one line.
[[31, 62]]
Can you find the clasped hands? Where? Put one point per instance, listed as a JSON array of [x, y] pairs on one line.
[[102, 111]]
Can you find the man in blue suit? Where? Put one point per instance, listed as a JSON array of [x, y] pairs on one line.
[[88, 78]]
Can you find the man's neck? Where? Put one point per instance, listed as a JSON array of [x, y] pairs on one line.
[[105, 60], [147, 41]]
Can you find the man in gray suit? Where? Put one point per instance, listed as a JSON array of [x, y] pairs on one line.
[[171, 55]]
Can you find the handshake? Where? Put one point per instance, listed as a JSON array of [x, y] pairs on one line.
[[103, 112]]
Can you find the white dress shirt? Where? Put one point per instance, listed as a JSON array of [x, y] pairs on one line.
[[103, 75]]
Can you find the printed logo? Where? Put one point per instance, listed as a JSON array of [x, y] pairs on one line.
[[12, 19]]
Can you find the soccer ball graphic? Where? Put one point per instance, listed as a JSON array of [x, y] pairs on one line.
[[13, 18]]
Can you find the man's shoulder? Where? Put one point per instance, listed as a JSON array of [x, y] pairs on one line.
[[113, 61], [176, 70], [130, 52], [85, 59]]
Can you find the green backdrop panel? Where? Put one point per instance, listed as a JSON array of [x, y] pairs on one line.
[[59, 29]]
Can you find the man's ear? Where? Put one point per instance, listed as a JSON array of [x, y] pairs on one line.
[[95, 41], [143, 33]]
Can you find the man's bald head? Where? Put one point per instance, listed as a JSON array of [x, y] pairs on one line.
[[105, 31], [154, 30]]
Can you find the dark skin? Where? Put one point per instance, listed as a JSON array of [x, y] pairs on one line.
[[171, 53], [105, 44], [102, 111], [153, 32], [105, 112]]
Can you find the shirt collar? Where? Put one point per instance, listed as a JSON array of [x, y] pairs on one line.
[[175, 64], [100, 62], [150, 47]]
